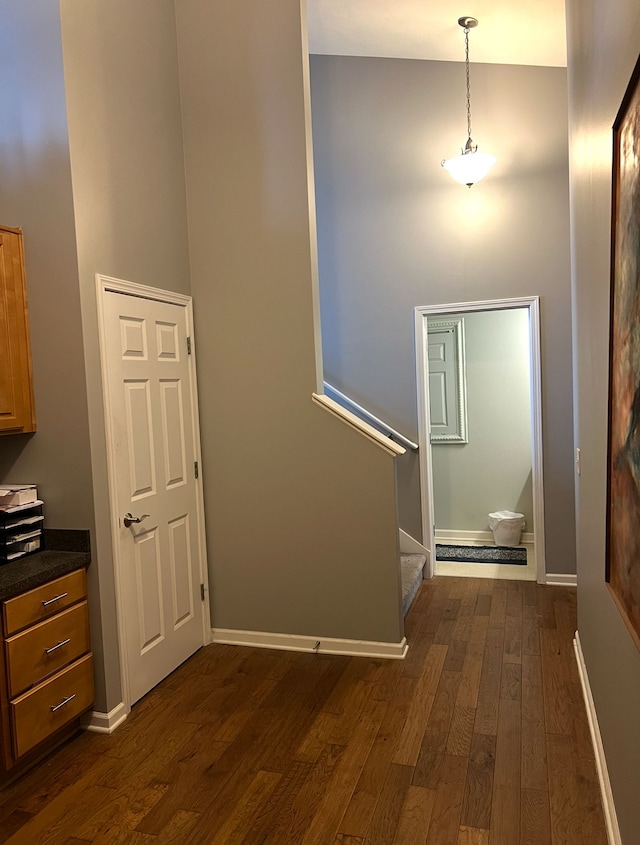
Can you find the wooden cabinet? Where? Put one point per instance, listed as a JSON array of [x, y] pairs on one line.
[[45, 648], [51, 705], [42, 602], [47, 668], [17, 412]]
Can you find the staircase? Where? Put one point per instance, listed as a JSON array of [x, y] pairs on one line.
[[411, 567]]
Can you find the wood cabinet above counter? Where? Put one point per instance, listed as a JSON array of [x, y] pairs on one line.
[[17, 410]]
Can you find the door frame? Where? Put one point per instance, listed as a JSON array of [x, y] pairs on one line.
[[532, 303], [105, 285]]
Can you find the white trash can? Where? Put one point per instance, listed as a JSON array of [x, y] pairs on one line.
[[507, 527]]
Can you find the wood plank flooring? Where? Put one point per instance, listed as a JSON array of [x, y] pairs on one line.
[[479, 737]]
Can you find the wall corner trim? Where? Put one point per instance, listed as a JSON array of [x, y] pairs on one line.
[[321, 645], [610, 817], [105, 723], [561, 579]]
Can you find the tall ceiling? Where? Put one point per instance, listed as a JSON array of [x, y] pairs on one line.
[[508, 32]]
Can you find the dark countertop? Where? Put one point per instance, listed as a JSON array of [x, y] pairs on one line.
[[32, 571]]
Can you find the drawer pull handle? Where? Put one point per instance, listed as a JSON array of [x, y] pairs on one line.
[[63, 702], [55, 599], [57, 646]]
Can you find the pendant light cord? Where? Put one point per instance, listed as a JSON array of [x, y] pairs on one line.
[[466, 53]]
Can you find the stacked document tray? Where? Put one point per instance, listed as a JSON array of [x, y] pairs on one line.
[[20, 530]]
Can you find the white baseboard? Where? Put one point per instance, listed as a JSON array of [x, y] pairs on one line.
[[105, 723], [561, 579], [321, 645], [411, 546], [456, 535], [610, 817]]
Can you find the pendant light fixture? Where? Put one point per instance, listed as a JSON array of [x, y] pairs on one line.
[[470, 166]]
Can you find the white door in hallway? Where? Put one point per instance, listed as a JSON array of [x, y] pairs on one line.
[[151, 415], [447, 385]]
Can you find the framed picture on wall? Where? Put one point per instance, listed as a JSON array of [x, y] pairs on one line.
[[623, 471]]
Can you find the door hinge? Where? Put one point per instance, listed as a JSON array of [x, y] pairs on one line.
[[188, 346], [196, 469], [202, 591]]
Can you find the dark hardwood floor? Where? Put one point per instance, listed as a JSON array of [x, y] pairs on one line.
[[479, 737]]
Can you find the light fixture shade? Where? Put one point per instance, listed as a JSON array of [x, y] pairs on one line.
[[469, 167]]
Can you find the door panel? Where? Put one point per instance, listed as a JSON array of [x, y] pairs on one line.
[[167, 341], [181, 580], [173, 432], [151, 422], [17, 413], [438, 399], [140, 438], [149, 589], [134, 338]]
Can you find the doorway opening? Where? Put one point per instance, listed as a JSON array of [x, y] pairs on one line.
[[480, 429]]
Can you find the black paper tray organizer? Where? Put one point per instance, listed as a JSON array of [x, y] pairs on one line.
[[20, 530]]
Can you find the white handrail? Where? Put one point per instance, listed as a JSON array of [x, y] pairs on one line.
[[358, 423], [371, 418]]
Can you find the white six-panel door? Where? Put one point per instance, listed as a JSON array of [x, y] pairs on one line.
[[447, 387], [153, 454]]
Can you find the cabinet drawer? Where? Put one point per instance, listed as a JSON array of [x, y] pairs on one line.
[[43, 649], [51, 705], [44, 601]]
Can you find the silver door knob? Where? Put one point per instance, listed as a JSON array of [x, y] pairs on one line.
[[129, 519]]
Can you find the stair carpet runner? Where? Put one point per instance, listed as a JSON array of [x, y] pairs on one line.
[[411, 567]]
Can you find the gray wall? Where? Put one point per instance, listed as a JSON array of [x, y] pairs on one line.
[[604, 41], [395, 232], [36, 194], [493, 470], [301, 510], [127, 162], [125, 132]]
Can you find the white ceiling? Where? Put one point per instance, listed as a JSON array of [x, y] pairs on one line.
[[531, 33]]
